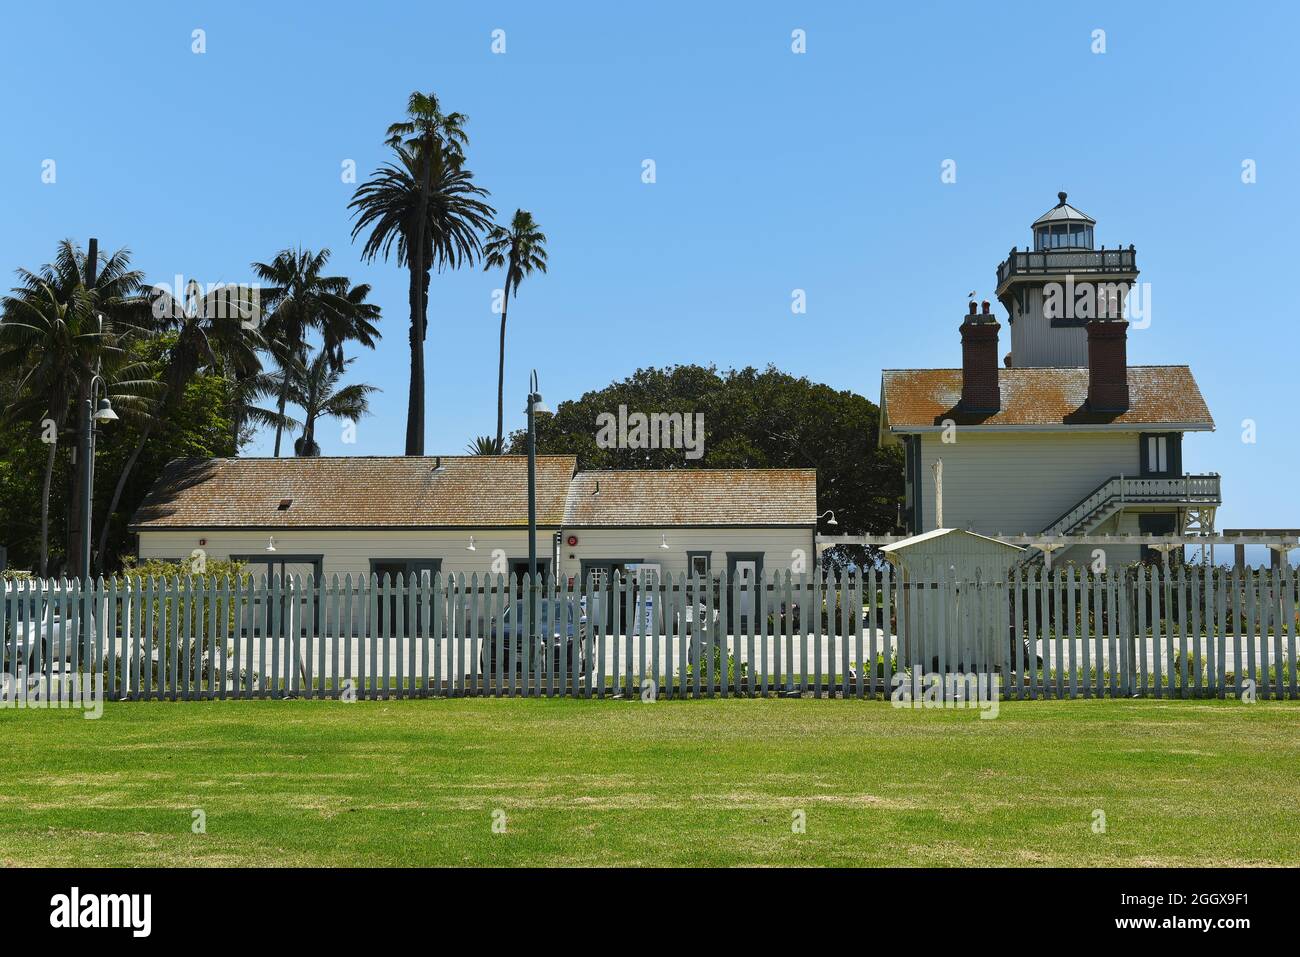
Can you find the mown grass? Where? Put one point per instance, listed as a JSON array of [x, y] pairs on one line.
[[584, 783]]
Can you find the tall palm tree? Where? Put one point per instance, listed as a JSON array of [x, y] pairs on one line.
[[521, 249], [204, 327], [300, 299], [425, 204], [315, 388], [57, 332]]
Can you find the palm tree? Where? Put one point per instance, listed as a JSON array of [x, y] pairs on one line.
[[426, 204], [484, 445], [315, 388], [357, 324], [301, 299], [55, 337], [204, 327], [57, 334], [521, 249], [246, 414]]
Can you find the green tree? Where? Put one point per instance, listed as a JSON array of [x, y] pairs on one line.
[[752, 419], [204, 327], [57, 332], [197, 424], [425, 207], [521, 249]]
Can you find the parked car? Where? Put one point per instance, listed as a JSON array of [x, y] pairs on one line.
[[558, 624], [40, 623]]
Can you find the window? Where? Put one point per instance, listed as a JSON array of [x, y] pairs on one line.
[[697, 564], [1157, 453], [404, 568], [1162, 453]]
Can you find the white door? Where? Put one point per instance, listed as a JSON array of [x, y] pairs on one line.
[[746, 574]]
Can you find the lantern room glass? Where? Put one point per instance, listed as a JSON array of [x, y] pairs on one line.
[[1063, 236]]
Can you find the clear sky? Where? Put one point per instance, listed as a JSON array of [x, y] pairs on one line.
[[775, 171]]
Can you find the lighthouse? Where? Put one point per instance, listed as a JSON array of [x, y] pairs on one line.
[[1053, 289]]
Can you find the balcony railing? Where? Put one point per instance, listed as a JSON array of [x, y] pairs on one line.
[[1115, 493], [1057, 261]]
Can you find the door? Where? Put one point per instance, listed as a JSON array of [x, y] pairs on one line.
[[745, 576], [411, 573], [519, 568], [265, 569], [1159, 523], [602, 572]]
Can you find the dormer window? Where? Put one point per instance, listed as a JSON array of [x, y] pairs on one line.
[[285, 504]]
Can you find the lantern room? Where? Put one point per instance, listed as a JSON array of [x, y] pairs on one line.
[[1063, 227]]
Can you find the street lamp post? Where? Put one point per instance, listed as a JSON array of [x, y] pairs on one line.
[[535, 405], [92, 414]]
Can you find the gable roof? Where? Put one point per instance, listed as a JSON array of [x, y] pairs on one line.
[[936, 533], [919, 400], [355, 492], [683, 497]]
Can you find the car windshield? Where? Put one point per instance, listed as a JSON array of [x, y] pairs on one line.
[[545, 611]]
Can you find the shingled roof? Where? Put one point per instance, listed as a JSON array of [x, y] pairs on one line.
[[684, 497], [481, 491], [487, 491], [913, 400]]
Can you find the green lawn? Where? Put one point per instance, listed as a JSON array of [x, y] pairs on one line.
[[695, 782]]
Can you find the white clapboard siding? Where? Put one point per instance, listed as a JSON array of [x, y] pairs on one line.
[[351, 552], [1019, 482]]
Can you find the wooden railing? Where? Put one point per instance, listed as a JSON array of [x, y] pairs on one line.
[[1116, 492], [1060, 261]]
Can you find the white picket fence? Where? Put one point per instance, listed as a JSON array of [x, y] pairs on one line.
[[1185, 632]]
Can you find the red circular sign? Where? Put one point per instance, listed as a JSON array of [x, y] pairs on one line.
[[573, 540]]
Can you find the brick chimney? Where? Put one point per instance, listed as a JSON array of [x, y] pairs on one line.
[[979, 361], [1108, 365]]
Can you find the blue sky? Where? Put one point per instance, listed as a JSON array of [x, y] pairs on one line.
[[775, 171]]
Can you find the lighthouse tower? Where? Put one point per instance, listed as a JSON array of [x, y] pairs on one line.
[[1052, 290]]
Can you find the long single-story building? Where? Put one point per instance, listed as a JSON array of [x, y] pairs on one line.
[[469, 514]]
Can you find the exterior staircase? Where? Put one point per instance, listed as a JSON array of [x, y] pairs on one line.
[[1120, 492]]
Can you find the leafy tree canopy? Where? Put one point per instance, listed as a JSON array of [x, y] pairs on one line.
[[751, 419]]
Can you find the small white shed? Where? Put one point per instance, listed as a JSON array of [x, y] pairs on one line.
[[953, 554], [940, 628]]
